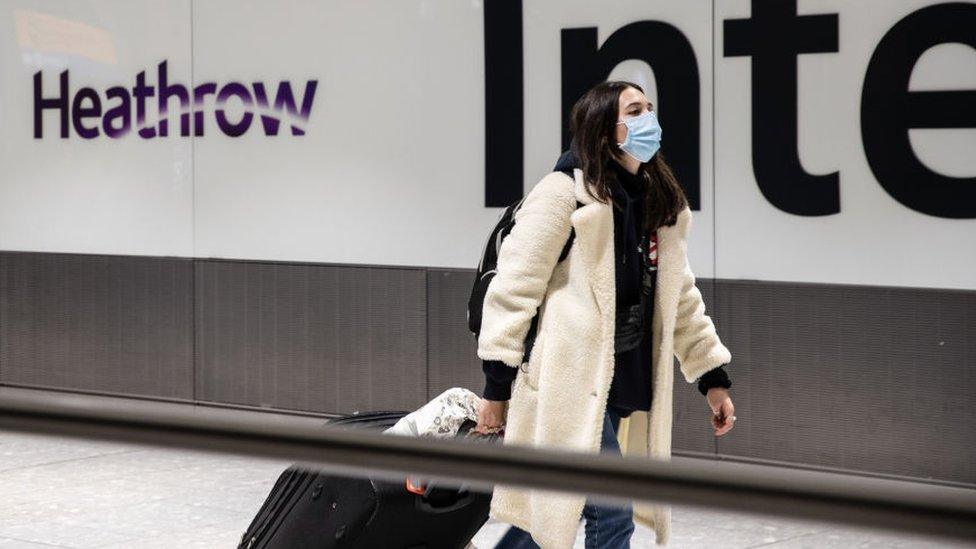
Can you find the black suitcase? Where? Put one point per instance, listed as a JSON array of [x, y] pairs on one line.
[[320, 510]]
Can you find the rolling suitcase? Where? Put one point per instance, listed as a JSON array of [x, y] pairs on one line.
[[320, 510]]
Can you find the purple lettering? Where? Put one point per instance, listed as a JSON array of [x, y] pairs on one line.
[[141, 92], [165, 92], [199, 93], [123, 110], [234, 89], [60, 103], [284, 98], [116, 119], [79, 112]]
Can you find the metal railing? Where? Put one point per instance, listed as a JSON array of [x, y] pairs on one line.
[[831, 497]]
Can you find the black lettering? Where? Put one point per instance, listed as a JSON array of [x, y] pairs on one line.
[[671, 57], [889, 110], [774, 35], [504, 117]]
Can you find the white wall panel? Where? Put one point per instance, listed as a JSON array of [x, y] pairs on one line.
[[100, 195], [390, 169], [874, 240]]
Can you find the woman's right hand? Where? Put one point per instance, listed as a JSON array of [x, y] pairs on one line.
[[491, 416]]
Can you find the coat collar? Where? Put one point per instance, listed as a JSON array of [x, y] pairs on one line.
[[679, 229], [593, 223]]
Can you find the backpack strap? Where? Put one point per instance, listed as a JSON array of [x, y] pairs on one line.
[[572, 231]]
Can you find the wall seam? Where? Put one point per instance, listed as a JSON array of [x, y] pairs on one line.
[[715, 291], [194, 369], [427, 334], [4, 285]]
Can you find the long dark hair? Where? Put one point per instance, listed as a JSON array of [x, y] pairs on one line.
[[593, 122]]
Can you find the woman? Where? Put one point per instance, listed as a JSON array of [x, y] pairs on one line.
[[602, 351]]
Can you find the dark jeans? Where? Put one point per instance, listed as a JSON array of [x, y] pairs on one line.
[[607, 527]]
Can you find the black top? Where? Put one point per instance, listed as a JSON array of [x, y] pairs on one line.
[[631, 386]]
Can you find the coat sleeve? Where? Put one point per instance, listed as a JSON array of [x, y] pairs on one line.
[[696, 343], [526, 260]]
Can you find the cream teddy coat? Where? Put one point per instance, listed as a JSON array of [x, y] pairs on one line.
[[559, 397]]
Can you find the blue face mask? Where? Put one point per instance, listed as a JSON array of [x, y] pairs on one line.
[[643, 136]]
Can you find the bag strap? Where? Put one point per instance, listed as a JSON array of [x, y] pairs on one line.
[[572, 231]]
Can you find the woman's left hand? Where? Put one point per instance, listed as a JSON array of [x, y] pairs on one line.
[[723, 412]]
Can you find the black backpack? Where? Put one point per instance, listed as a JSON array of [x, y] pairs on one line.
[[487, 269]]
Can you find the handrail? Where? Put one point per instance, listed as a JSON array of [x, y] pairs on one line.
[[846, 499]]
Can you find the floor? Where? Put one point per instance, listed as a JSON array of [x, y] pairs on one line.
[[80, 493]]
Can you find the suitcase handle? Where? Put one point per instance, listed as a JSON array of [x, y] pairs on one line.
[[444, 500], [434, 499]]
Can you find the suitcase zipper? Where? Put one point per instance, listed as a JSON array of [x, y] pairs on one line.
[[281, 502], [283, 511], [273, 507], [268, 508]]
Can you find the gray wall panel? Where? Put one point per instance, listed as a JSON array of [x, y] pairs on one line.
[[311, 337], [852, 377], [692, 430], [97, 323], [383, 346], [861, 378], [453, 350]]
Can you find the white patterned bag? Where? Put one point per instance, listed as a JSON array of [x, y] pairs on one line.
[[441, 417]]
